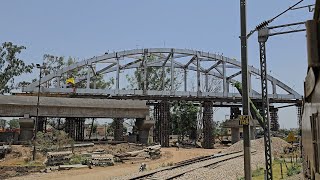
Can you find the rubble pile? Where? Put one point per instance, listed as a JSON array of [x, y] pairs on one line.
[[111, 149], [4, 150], [58, 158], [151, 152], [277, 145]]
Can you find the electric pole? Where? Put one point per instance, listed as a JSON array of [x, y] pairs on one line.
[[245, 90]]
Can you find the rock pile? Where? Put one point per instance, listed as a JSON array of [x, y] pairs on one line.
[[277, 145]]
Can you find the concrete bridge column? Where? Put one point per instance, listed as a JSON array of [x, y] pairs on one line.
[[26, 129], [41, 123], [144, 126], [207, 125], [118, 130], [162, 117], [235, 135]]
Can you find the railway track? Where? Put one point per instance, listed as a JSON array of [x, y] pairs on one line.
[[180, 168]]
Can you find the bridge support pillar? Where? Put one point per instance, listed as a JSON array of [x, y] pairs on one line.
[[208, 125], [235, 135], [274, 120], [26, 129], [162, 125], [234, 112], [74, 127], [299, 117], [118, 129], [41, 124], [144, 126]]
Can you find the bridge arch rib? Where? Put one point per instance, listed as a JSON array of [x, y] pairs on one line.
[[167, 58]]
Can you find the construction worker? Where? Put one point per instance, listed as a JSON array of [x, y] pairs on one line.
[[143, 167]]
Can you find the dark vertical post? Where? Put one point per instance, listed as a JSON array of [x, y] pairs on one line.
[[91, 128], [45, 125], [118, 129], [262, 39], [281, 170], [245, 89], [207, 125], [37, 118]]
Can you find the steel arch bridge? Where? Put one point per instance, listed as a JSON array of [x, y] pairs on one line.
[[201, 64]]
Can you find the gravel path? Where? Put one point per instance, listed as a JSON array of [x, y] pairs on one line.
[[169, 173], [228, 170], [231, 169]]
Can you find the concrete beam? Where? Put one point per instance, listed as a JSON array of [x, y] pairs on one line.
[[18, 106]]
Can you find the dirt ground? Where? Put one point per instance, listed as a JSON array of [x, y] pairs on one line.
[[169, 155], [19, 156]]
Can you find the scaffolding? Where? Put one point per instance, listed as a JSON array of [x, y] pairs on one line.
[[207, 125], [118, 129], [163, 123], [74, 127]]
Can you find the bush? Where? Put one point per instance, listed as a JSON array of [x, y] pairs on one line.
[[54, 140], [295, 169], [258, 172], [78, 159]]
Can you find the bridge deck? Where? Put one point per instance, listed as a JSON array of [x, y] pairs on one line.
[[15, 106]]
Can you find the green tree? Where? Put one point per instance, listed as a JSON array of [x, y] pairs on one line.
[[14, 123], [52, 140], [11, 66], [55, 63], [219, 130], [112, 126], [154, 77], [184, 119]]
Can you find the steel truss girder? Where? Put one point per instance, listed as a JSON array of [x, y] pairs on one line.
[[265, 109], [111, 61]]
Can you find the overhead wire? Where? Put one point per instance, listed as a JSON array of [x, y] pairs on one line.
[[266, 23]]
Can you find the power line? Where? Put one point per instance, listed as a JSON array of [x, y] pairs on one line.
[[266, 23]]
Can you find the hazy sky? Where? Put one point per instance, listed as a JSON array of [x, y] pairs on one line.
[[84, 29]]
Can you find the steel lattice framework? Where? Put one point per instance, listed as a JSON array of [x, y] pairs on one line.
[[265, 108], [183, 60]]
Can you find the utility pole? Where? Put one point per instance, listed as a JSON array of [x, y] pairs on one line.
[[37, 117], [105, 131], [263, 35], [262, 39], [245, 90]]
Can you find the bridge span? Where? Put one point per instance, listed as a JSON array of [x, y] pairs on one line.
[[199, 66], [184, 75], [19, 106]]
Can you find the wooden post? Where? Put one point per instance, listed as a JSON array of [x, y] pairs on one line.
[[285, 163], [281, 170]]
